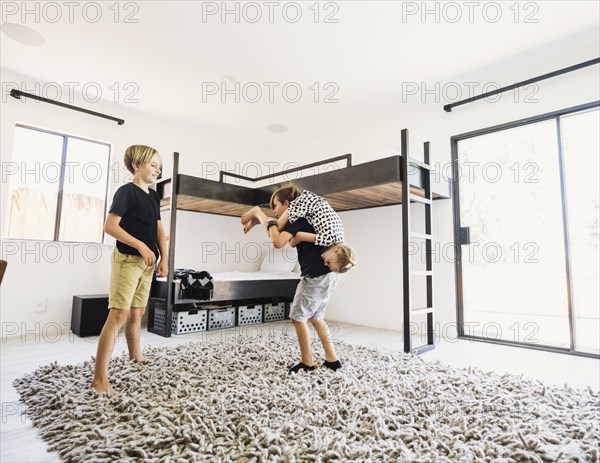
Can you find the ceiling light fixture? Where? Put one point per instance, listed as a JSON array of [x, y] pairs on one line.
[[277, 128], [23, 34], [228, 79]]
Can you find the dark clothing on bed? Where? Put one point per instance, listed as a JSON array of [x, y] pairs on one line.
[[139, 212], [309, 254]]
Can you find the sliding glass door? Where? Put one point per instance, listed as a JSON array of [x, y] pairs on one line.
[[526, 203]]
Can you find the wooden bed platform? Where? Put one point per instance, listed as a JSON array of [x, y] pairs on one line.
[[372, 184]]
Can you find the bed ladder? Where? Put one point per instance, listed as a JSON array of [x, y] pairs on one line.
[[408, 237]]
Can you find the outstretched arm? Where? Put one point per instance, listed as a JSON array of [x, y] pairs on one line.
[[253, 217]]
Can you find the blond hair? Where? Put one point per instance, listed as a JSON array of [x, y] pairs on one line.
[[346, 258], [138, 154], [285, 193]]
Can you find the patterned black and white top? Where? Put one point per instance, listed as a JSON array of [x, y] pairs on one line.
[[319, 213]]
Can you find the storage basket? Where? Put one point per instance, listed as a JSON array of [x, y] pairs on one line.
[[274, 312], [219, 318], [250, 314], [189, 321]]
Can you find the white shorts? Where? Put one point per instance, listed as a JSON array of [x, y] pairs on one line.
[[312, 296]]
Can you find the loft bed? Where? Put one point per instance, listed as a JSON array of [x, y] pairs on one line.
[[372, 184], [383, 182]]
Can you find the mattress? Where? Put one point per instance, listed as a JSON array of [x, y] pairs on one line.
[[238, 276]]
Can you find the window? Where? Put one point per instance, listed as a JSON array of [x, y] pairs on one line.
[[58, 187]]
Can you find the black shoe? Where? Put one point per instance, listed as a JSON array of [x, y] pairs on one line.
[[333, 365], [300, 366]]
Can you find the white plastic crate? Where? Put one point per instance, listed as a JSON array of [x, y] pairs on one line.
[[250, 314], [219, 318], [274, 312], [182, 322]]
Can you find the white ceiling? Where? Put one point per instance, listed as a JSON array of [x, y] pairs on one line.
[[372, 49]]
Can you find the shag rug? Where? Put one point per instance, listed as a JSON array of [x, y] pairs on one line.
[[234, 401]]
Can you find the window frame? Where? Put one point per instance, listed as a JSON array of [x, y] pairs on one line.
[[59, 200]]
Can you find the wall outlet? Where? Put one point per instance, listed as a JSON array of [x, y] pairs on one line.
[[39, 305]]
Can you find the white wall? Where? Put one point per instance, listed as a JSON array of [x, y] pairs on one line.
[[39, 270], [371, 294]]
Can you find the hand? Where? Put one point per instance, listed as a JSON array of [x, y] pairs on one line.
[[294, 241], [249, 215], [147, 254], [249, 225], [163, 268]]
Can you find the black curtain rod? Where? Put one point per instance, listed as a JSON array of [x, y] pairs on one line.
[[448, 107], [18, 94]]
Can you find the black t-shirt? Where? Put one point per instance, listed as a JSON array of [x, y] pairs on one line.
[[309, 254], [139, 212]]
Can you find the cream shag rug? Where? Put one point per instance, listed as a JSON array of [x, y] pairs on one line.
[[234, 401]]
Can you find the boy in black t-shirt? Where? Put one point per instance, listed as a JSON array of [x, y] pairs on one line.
[[134, 221]]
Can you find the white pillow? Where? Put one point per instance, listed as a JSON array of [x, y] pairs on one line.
[[279, 260], [297, 268]]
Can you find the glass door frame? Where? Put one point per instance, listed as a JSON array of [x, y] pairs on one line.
[[457, 229]]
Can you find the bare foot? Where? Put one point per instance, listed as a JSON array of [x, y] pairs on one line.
[[102, 387], [139, 358], [249, 215]]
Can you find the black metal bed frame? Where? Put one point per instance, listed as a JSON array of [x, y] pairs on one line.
[[412, 172]]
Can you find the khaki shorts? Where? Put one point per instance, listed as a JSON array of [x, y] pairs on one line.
[[312, 296], [130, 280]]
